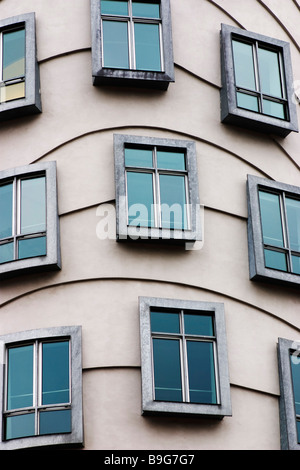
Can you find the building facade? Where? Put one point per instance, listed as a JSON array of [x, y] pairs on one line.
[[150, 224]]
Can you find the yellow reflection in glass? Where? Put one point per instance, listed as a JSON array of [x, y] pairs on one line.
[[12, 92]]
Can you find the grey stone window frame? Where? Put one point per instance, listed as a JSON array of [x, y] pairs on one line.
[[152, 407], [230, 113], [126, 232], [75, 437], [136, 78], [31, 104], [257, 269], [52, 259], [287, 413]]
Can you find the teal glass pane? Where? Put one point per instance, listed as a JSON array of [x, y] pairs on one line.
[[247, 102], [53, 422], [20, 377], [20, 426], [147, 46], [170, 160], [165, 322], [295, 369], [115, 44], [140, 199], [167, 370], [293, 218], [274, 109], [145, 10], [296, 264], [198, 324], [114, 7], [55, 375], [243, 65], [30, 247], [33, 205], [138, 157], [6, 204], [7, 252], [271, 219], [173, 202], [201, 370], [269, 72], [275, 260], [298, 430], [13, 54]]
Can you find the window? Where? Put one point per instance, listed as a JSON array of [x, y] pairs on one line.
[[132, 42], [274, 230], [156, 189], [184, 358], [257, 82], [19, 75], [42, 388], [289, 377], [29, 236]]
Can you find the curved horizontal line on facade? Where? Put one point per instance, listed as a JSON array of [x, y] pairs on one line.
[[149, 280]]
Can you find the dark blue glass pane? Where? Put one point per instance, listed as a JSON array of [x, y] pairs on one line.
[[247, 102], [6, 202], [173, 202], [145, 10], [53, 422], [7, 252], [30, 247], [296, 264], [20, 426], [138, 157], [269, 72], [198, 324], [202, 384], [274, 109], [55, 377], [293, 217], [271, 219], [243, 65], [275, 260], [20, 377], [33, 205], [295, 368], [165, 322], [167, 371], [170, 160], [147, 46], [114, 7], [13, 54], [140, 199], [115, 44]]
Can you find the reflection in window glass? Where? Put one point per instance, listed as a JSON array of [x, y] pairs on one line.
[[165, 322], [173, 202], [170, 160], [247, 102], [140, 199], [293, 217], [7, 252], [269, 72], [33, 205], [114, 7], [201, 372], [295, 369], [145, 10], [147, 46], [275, 260], [6, 204], [271, 219], [167, 370], [20, 377], [20, 426], [198, 324], [115, 44], [30, 247], [243, 65], [55, 380], [138, 157], [13, 54], [53, 422], [274, 109]]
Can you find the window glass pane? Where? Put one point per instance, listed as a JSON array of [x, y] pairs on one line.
[[269, 72], [170, 160], [33, 205], [165, 322], [275, 260], [12, 92], [20, 377], [145, 10], [140, 199], [271, 219], [296, 264], [20, 426], [13, 54], [6, 252], [55, 375], [173, 202], [293, 218], [6, 203], [147, 46], [247, 102], [52, 422], [198, 324], [30, 247], [114, 7], [243, 65], [115, 44], [295, 368], [138, 157], [298, 430], [201, 371], [167, 370], [274, 109]]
